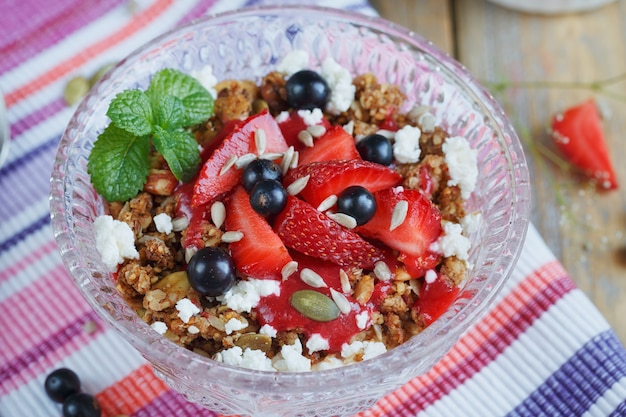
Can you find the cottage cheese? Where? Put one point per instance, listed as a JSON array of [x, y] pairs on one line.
[[291, 359], [362, 319], [340, 82], [246, 294], [233, 325], [163, 223], [311, 117], [115, 241], [406, 146], [159, 327], [316, 343], [207, 79], [268, 330], [293, 62], [367, 349], [462, 164], [186, 309], [249, 358], [452, 242]]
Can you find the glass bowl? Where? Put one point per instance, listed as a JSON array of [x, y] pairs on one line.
[[247, 44]]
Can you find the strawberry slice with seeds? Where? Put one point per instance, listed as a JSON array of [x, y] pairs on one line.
[[335, 144], [414, 231], [579, 136], [332, 177], [295, 124], [260, 253], [306, 230], [213, 179]]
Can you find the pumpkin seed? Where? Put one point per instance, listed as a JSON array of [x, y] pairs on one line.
[[75, 90], [175, 283], [259, 105], [100, 73], [314, 305], [255, 342]]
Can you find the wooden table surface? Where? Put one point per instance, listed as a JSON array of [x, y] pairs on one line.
[[584, 228]]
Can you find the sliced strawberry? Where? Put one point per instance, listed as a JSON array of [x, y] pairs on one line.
[[417, 266], [261, 253], [412, 238], [306, 230], [210, 183], [578, 134], [332, 177], [435, 298], [335, 144], [295, 124]]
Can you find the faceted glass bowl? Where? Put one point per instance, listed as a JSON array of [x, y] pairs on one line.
[[248, 44]]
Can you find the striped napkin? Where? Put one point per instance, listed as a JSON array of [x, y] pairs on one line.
[[543, 350]]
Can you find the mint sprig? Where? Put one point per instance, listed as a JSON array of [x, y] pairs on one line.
[[119, 162]]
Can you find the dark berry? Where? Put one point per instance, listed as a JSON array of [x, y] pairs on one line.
[[357, 202], [61, 383], [260, 169], [81, 405], [268, 197], [376, 148], [307, 90], [211, 271]]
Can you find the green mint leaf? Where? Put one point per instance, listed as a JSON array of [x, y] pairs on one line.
[[130, 110], [170, 113], [197, 101], [180, 150], [119, 163]]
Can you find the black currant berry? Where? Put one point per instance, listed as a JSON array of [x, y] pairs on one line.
[[268, 197], [357, 202], [258, 170], [211, 271], [376, 148], [81, 405], [307, 90], [61, 383]]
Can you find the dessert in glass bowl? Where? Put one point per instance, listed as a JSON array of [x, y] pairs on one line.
[[377, 277]]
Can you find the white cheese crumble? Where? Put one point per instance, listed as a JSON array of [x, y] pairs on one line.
[[163, 223], [330, 362], [293, 62], [233, 325], [342, 90], [462, 164], [367, 349], [452, 242], [406, 146], [246, 294], [430, 276], [283, 116], [362, 319], [249, 358], [311, 117], [186, 309], [316, 343], [291, 359], [207, 79], [268, 330], [159, 327], [471, 222], [115, 241]]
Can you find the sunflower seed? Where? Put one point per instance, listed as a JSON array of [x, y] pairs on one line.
[[243, 161], [314, 305], [415, 286], [349, 127], [298, 185], [316, 130], [294, 161], [343, 219], [382, 271], [180, 223], [216, 322], [345, 282], [378, 330], [306, 138], [427, 122], [218, 213], [341, 301], [312, 278], [285, 163], [260, 140], [228, 164], [189, 252], [398, 215], [271, 156], [232, 236], [328, 202], [289, 268]]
